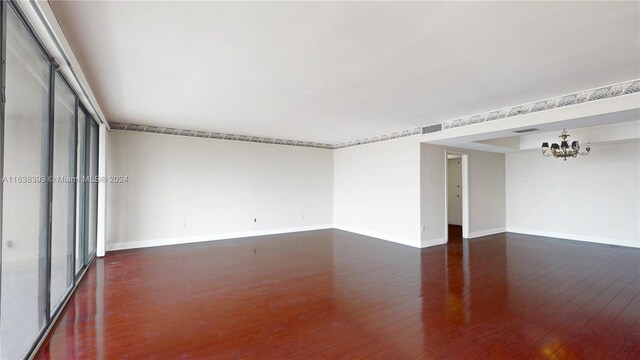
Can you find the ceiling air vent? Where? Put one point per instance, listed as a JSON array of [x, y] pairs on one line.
[[525, 130], [432, 128]]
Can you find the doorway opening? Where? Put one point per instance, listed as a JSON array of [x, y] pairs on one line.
[[457, 195]]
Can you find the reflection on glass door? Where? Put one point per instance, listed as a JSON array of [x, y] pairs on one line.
[[25, 195]]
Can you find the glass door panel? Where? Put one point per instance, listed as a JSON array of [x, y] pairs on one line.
[[25, 196], [92, 191], [63, 197], [80, 187]]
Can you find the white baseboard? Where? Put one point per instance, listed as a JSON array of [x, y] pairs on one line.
[[373, 234], [214, 237], [433, 242], [592, 239], [487, 232]]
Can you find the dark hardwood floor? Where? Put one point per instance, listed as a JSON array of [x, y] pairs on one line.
[[331, 294]]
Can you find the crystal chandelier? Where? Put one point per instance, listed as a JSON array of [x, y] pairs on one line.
[[563, 151]]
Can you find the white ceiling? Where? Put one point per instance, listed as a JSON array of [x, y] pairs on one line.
[[332, 72]]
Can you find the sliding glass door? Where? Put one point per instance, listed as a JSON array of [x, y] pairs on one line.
[[63, 188], [49, 168], [92, 190], [81, 230], [25, 226], [87, 189]]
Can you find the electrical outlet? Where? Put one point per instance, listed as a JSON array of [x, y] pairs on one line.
[[184, 224]]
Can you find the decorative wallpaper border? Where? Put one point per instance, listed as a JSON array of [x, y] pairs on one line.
[[215, 135], [605, 92]]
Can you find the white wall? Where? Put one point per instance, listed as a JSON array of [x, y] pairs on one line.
[[486, 193], [433, 198], [395, 190], [593, 198], [184, 189], [377, 190], [189, 189]]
